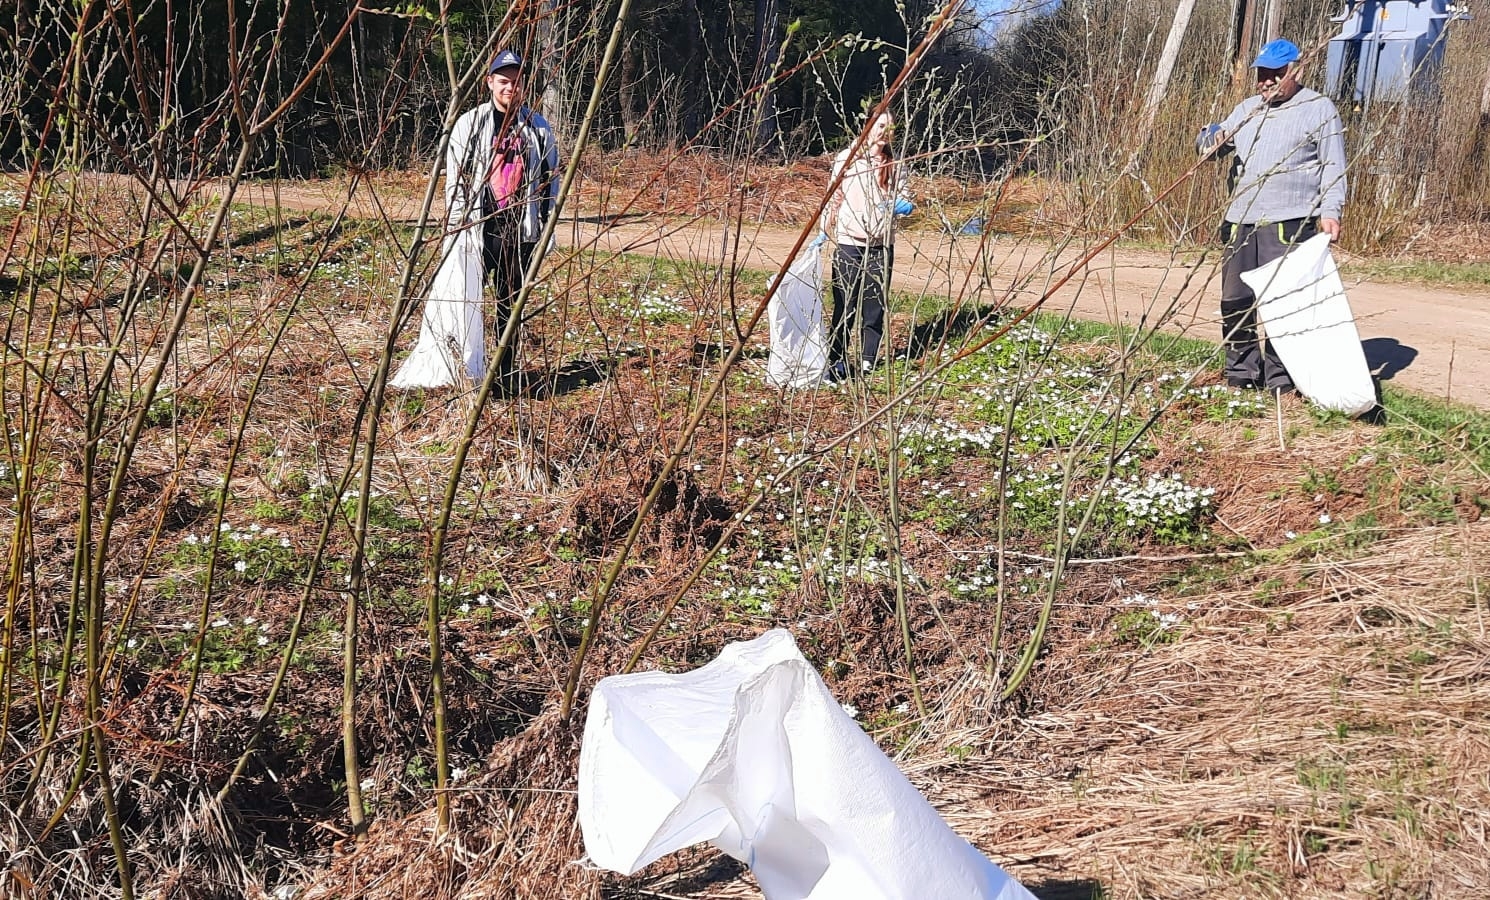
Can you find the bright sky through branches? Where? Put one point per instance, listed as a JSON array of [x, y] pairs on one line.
[[998, 16]]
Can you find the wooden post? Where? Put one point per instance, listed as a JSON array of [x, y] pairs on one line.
[[1234, 32], [1242, 16], [1273, 23], [1244, 30], [1167, 58], [1485, 96]]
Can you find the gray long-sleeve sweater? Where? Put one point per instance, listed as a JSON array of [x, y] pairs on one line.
[[1292, 156]]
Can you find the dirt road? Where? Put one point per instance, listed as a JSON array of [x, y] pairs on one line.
[[1431, 340]]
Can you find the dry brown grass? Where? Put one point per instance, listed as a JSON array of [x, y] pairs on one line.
[[1327, 738], [1280, 747], [1323, 736], [516, 834]]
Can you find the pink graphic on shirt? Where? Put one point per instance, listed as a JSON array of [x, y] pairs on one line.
[[506, 170]]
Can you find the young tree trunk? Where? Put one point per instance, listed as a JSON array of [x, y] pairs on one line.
[[693, 95], [766, 47]]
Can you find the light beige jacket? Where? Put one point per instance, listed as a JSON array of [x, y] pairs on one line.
[[865, 210]]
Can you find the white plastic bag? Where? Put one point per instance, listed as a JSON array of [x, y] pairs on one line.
[[799, 352], [452, 333], [1301, 302], [752, 754]]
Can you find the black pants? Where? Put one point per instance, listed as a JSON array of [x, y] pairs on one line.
[[1247, 247], [861, 283], [505, 259]]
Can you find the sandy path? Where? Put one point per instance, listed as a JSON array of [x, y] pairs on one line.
[[1432, 340]]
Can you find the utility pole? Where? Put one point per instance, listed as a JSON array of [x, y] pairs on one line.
[[1239, 44], [1272, 26], [1167, 58]]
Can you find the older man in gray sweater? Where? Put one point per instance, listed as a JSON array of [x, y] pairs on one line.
[[1289, 147]]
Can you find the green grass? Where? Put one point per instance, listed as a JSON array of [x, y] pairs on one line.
[[1419, 272], [1443, 431]]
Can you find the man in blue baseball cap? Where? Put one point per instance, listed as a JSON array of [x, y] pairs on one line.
[[1288, 185], [502, 175]]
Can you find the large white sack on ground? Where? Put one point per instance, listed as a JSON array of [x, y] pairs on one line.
[[452, 333], [752, 754], [799, 352], [1301, 302]]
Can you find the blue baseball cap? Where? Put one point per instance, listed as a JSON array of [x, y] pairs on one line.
[[505, 60], [1276, 54]]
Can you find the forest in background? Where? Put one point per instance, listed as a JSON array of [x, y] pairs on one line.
[[1058, 91]]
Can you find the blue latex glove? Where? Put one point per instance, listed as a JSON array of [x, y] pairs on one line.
[[822, 238], [904, 207]]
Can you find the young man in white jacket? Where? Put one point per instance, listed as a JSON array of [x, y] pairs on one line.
[[502, 174]]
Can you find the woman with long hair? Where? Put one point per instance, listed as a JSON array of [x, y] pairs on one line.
[[861, 218]]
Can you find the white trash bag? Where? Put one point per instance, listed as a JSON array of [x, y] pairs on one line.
[[752, 754], [799, 351], [452, 334], [1301, 302]]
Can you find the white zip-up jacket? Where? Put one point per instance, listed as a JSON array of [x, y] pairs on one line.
[[468, 161]]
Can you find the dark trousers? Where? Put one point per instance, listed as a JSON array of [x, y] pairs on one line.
[[505, 259], [1247, 247], [861, 283]]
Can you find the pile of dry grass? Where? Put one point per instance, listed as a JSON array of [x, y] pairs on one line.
[[1320, 731], [515, 834]]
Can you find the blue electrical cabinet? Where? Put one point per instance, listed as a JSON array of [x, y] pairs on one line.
[[1388, 50]]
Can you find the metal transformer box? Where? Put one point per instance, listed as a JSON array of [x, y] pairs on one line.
[[1388, 50]]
